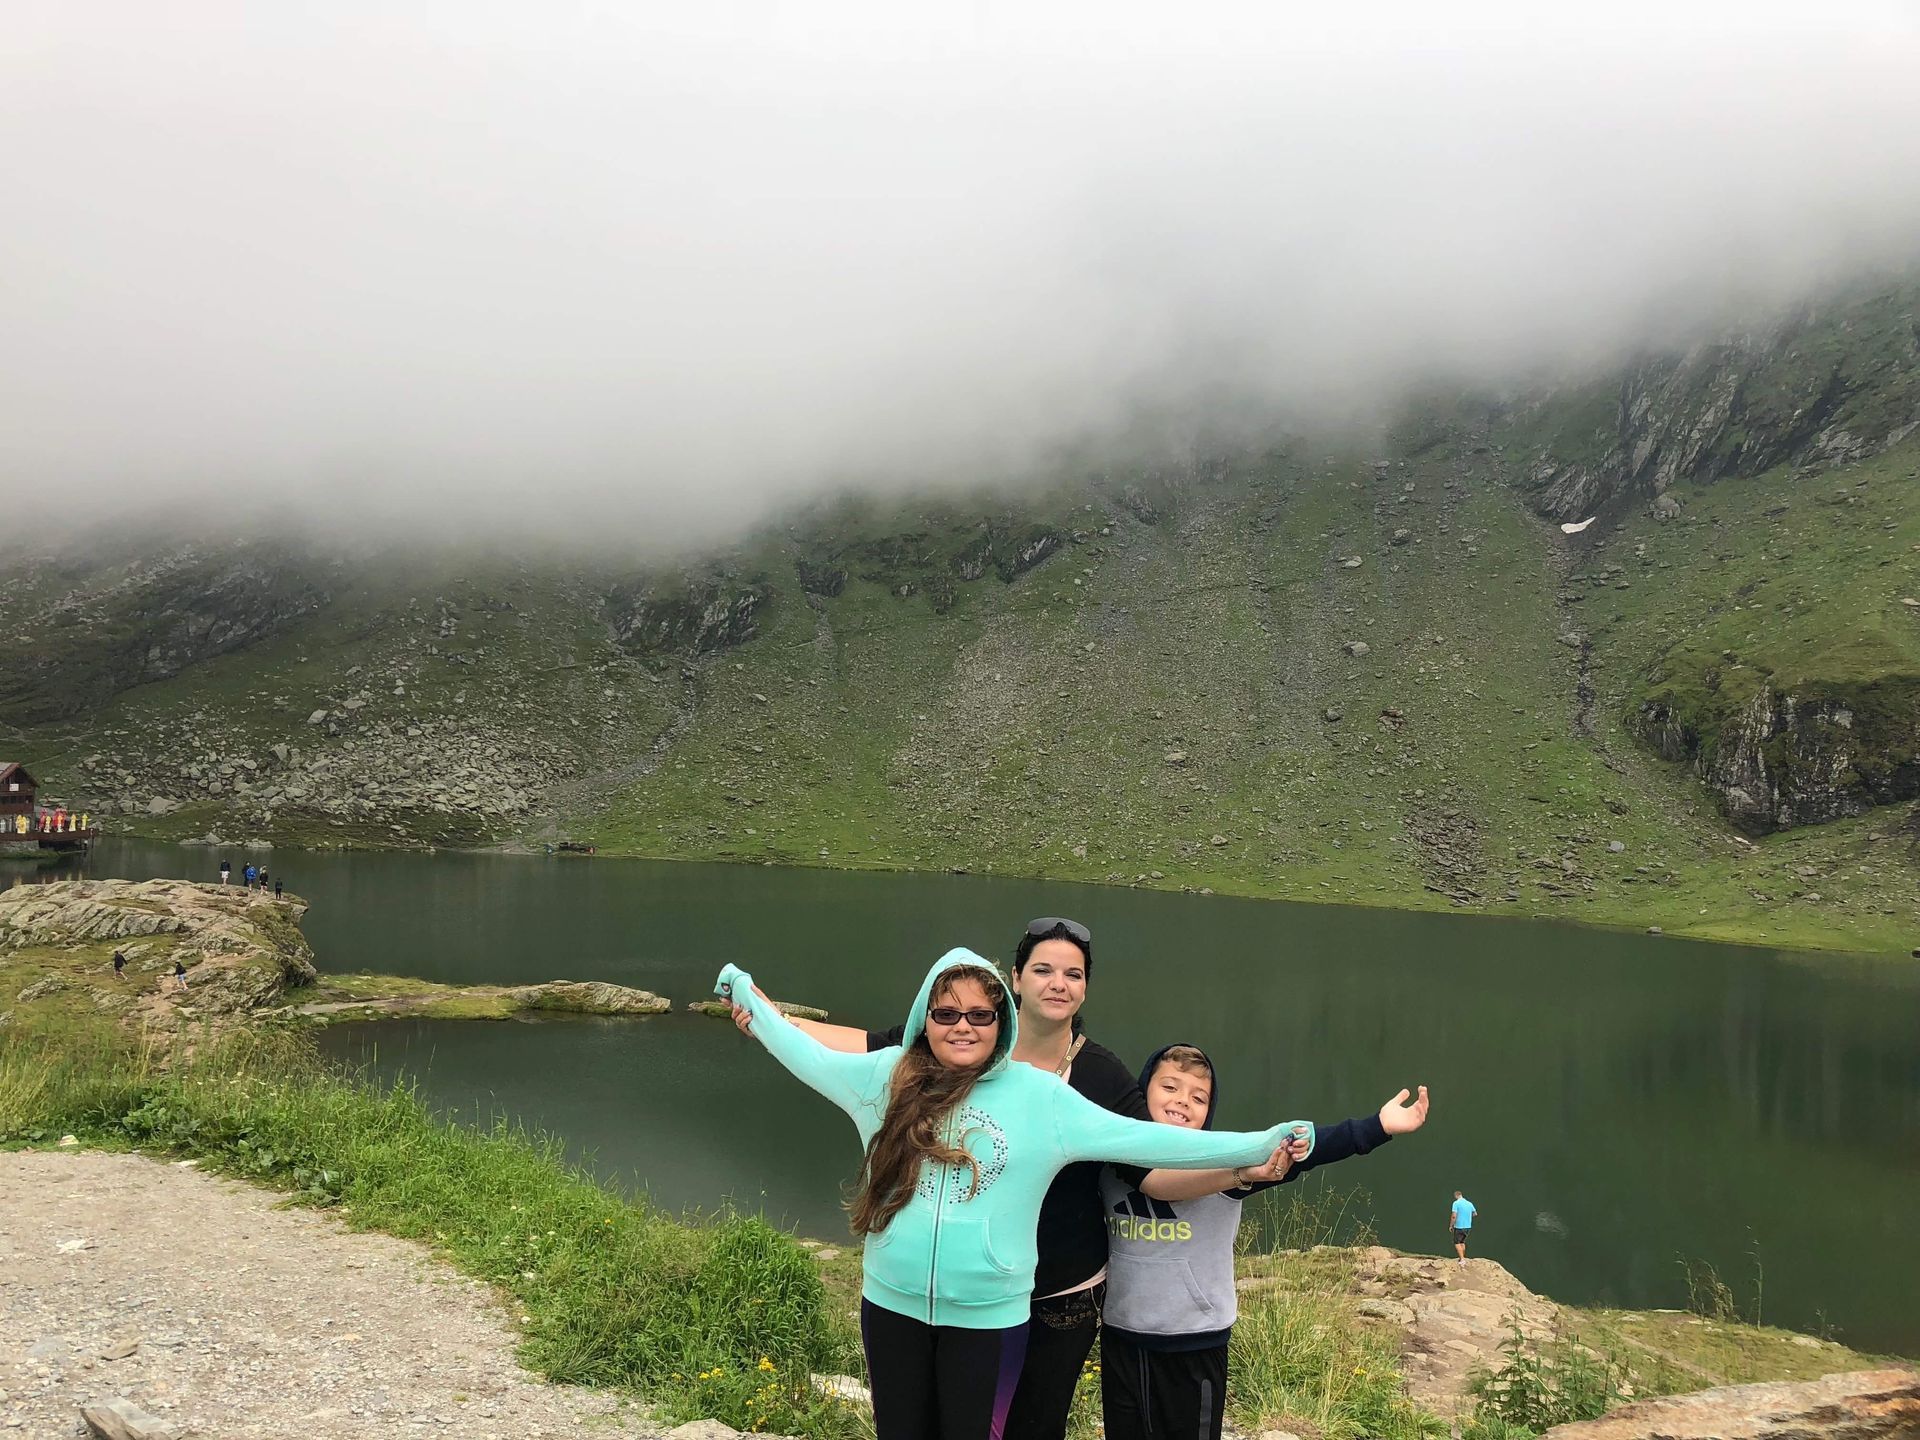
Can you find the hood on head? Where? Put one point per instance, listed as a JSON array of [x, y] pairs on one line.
[[955, 959], [1153, 1064]]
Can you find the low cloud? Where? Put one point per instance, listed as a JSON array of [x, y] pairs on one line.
[[647, 273]]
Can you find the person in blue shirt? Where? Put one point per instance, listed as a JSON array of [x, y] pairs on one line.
[[1460, 1218]]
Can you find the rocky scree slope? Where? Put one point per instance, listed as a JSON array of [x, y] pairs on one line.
[[1376, 675]]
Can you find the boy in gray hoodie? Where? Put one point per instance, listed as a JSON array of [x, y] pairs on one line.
[[1171, 1300]]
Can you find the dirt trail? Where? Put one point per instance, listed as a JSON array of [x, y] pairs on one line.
[[245, 1320]]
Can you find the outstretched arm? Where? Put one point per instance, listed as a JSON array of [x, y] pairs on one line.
[[849, 1081], [1350, 1137], [844, 1038], [1086, 1132], [1192, 1184]]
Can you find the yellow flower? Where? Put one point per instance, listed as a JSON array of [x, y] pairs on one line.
[[765, 1364]]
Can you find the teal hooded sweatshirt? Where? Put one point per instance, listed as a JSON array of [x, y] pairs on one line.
[[960, 1254]]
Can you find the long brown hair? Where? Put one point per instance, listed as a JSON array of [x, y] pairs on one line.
[[925, 1092]]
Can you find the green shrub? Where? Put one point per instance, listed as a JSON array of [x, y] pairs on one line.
[[1540, 1386]]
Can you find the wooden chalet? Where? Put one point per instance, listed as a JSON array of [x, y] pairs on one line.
[[28, 822]]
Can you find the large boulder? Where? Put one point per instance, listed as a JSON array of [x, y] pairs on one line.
[[1864, 1405]]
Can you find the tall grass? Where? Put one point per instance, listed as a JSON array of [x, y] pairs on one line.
[[1301, 1359], [723, 1318]]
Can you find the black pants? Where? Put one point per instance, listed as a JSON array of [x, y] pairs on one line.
[[1059, 1336], [1162, 1394], [939, 1382]]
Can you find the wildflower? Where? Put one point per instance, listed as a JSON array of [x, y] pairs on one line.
[[765, 1364]]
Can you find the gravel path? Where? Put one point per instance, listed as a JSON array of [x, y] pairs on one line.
[[232, 1319]]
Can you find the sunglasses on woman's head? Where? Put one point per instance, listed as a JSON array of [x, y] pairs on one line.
[[1047, 924], [949, 1015]]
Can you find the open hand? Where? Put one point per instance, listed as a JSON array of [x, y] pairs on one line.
[[1399, 1117]]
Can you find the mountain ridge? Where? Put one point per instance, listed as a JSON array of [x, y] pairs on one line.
[[1366, 674]]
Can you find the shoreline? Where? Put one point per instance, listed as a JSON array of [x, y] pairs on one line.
[[1901, 939]]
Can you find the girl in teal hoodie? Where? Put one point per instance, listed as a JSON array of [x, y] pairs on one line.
[[961, 1144]]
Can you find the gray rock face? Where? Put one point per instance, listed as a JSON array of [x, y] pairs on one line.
[[1864, 1405], [117, 626], [1826, 384], [1786, 759], [695, 616]]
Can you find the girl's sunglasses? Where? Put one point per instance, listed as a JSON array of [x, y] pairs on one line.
[[949, 1015]]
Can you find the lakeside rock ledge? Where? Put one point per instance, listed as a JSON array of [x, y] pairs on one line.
[[245, 959], [1862, 1405]]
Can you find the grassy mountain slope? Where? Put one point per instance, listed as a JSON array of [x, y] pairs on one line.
[[1372, 676]]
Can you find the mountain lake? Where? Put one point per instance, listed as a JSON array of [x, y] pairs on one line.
[[1618, 1105]]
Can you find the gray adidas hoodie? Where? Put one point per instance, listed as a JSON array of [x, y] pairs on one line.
[[1170, 1263]]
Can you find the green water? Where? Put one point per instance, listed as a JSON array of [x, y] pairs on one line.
[[1611, 1102]]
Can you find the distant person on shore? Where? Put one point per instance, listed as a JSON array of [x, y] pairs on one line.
[[1052, 974], [226, 871], [263, 878], [249, 875], [1460, 1219], [119, 964], [276, 889], [179, 974], [961, 1144], [1171, 1297]]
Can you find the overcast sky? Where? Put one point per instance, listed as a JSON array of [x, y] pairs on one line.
[[641, 269]]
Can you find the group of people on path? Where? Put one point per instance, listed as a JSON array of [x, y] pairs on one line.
[[254, 877], [1020, 1185]]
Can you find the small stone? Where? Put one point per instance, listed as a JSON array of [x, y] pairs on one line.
[[120, 1351], [1218, 840], [1175, 757], [1333, 716], [1655, 930], [67, 1142], [124, 1420], [1357, 648], [1616, 846]]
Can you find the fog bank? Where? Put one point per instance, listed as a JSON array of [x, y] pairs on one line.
[[653, 271]]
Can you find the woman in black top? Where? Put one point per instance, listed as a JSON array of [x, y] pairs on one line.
[[1051, 967]]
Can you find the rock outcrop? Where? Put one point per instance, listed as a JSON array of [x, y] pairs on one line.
[[1790, 757], [589, 997], [1827, 384], [1863, 1405], [242, 950]]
